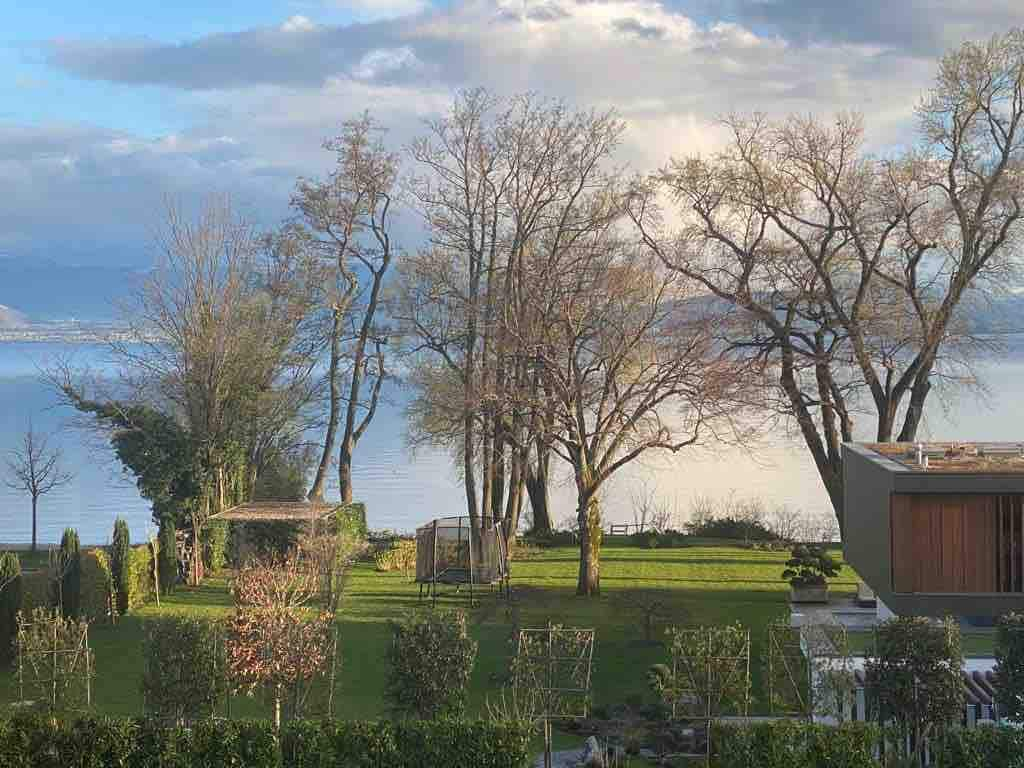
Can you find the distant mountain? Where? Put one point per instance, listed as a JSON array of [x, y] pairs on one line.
[[50, 292], [11, 318]]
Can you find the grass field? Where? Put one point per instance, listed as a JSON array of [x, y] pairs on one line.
[[704, 583]]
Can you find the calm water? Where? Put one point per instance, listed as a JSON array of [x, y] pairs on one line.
[[403, 491]]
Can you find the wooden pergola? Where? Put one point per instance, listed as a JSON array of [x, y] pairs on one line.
[[277, 511]]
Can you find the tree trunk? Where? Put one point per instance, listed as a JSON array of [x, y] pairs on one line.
[[469, 471], [516, 482], [537, 487], [316, 492], [589, 517], [35, 503], [345, 469]]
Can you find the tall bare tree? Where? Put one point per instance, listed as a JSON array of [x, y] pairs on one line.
[[853, 269], [492, 176], [34, 468], [348, 216]]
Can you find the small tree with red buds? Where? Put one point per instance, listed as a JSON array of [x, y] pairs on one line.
[[275, 644]]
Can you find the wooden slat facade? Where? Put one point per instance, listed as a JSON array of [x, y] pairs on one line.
[[961, 544]]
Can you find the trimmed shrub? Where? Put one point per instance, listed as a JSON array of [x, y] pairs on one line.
[[914, 677], [140, 575], [70, 573], [35, 590], [794, 744], [97, 588], [352, 519], [400, 556], [183, 678], [215, 549], [168, 556], [1010, 666], [120, 545], [988, 747], [431, 660], [10, 604], [44, 742]]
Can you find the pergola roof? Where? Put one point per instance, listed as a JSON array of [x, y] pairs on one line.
[[269, 511]]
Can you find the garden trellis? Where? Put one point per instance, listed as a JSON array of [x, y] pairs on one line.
[[708, 675], [55, 663], [787, 671], [553, 665]]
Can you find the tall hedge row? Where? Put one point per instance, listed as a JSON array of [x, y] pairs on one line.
[[40, 742], [794, 744], [70, 563], [35, 590], [10, 604], [97, 585], [119, 550], [140, 575]]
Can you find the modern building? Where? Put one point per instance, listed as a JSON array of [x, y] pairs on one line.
[[937, 528]]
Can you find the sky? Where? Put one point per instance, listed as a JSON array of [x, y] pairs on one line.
[[109, 107]]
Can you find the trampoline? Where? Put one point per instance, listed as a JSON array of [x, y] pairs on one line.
[[450, 550]]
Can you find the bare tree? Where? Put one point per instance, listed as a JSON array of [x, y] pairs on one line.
[[650, 512], [632, 363], [785, 522], [492, 177], [348, 216], [852, 269], [34, 468]]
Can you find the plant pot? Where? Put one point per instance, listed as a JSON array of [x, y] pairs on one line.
[[816, 593]]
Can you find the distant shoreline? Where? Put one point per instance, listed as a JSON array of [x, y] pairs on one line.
[[65, 333]]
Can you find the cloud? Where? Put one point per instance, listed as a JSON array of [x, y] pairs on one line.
[[88, 194], [263, 99], [922, 27]]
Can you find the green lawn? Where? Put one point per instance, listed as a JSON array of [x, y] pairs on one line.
[[701, 583]]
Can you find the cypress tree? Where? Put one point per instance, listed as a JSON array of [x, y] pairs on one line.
[[71, 573], [10, 604], [168, 567], [119, 553]]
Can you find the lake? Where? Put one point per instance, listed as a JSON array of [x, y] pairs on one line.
[[402, 491]]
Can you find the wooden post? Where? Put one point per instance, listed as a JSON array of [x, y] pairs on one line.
[[53, 681], [433, 577], [154, 549], [88, 670]]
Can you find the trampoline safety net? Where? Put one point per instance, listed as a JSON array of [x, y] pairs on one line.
[[450, 550]]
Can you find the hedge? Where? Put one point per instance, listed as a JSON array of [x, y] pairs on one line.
[[35, 590], [10, 604], [983, 747], [140, 575], [97, 585], [40, 742], [794, 744]]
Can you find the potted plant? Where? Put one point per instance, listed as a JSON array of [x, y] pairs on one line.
[[808, 570]]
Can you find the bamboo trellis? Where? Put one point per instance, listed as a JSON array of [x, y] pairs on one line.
[[60, 673]]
